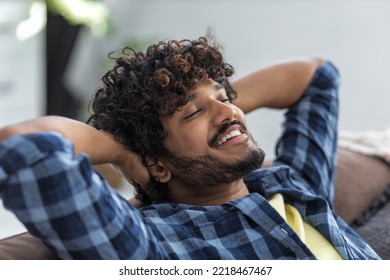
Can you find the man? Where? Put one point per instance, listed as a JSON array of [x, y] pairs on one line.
[[172, 123]]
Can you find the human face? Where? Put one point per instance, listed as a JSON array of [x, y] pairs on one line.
[[208, 140]]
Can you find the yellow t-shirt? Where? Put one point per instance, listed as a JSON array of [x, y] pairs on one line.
[[320, 246]]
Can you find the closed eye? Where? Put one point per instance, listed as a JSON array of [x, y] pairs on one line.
[[192, 114], [227, 100]]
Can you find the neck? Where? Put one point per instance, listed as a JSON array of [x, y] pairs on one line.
[[214, 195]]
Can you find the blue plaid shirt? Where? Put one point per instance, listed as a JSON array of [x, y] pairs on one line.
[[60, 199]]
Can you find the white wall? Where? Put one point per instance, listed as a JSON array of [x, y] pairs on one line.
[[21, 82], [21, 67]]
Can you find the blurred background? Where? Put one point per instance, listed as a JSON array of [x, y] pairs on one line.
[[53, 52]]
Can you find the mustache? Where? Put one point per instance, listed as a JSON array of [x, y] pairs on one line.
[[223, 128]]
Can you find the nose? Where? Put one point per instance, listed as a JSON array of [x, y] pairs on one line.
[[223, 112]]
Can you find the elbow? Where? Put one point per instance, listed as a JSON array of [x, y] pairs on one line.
[[7, 132]]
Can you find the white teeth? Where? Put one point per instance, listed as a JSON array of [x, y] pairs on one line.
[[228, 136]]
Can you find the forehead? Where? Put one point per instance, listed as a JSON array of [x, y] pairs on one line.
[[205, 87]]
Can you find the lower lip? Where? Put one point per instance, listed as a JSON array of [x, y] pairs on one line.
[[237, 139]]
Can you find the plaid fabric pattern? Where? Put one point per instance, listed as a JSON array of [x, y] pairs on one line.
[[60, 199]]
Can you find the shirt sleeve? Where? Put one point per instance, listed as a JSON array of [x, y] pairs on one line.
[[63, 201], [309, 140]]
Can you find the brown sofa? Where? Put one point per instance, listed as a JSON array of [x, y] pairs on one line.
[[361, 199]]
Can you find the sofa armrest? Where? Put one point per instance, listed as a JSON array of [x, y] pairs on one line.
[[24, 246]]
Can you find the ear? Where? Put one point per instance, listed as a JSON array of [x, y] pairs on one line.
[[159, 171]]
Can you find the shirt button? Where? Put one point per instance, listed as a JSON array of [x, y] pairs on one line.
[[284, 230]]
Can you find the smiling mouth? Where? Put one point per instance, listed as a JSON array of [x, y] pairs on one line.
[[227, 132], [232, 134]]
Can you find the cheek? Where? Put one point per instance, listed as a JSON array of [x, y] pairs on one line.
[[191, 140]]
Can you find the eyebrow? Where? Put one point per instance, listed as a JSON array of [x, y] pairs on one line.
[[192, 96]]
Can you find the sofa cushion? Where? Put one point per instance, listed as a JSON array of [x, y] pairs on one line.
[[376, 230], [360, 181]]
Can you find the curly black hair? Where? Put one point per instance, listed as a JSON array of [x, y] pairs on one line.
[[144, 86]]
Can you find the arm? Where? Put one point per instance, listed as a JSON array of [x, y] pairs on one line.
[[277, 86], [308, 142], [309, 89], [61, 200], [100, 146], [59, 197]]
